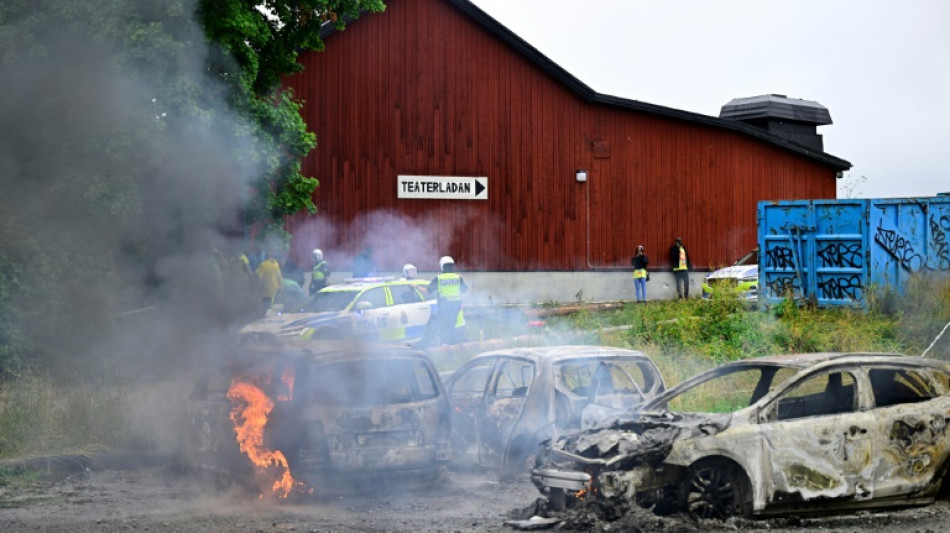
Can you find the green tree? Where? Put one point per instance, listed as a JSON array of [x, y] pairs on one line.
[[136, 135]]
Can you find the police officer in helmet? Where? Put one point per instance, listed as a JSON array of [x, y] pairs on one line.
[[448, 286]]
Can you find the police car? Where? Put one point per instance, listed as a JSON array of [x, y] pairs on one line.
[[740, 280], [380, 309]]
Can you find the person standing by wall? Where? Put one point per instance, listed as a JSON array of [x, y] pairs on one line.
[[321, 271], [679, 258], [640, 274]]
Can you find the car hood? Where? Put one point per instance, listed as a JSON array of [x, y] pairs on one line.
[[740, 272], [648, 436], [288, 323]]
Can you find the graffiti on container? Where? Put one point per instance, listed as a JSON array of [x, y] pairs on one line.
[[938, 231], [839, 254], [841, 287], [783, 285], [900, 247], [780, 257]]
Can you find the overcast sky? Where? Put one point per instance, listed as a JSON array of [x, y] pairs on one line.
[[881, 67]]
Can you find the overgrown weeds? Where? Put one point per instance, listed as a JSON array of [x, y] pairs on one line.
[[687, 336], [38, 417]]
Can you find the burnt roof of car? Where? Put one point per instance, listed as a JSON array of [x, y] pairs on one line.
[[325, 350], [804, 360], [562, 352]]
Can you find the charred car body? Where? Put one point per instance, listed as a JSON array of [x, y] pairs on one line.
[[506, 402], [797, 433], [329, 414]]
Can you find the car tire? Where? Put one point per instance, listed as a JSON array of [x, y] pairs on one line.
[[715, 490]]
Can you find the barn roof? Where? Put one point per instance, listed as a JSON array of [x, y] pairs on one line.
[[592, 96]]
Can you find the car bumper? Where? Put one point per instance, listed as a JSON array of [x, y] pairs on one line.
[[560, 479]]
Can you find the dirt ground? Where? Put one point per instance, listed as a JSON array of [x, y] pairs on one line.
[[153, 499]]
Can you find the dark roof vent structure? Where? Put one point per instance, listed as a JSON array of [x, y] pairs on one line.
[[789, 118]]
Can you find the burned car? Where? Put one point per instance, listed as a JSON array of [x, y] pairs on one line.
[[311, 416], [506, 402], [819, 432]]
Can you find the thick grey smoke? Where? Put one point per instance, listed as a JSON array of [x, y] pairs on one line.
[[120, 172]]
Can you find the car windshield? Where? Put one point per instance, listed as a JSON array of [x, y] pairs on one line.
[[324, 301], [751, 258], [602, 376], [724, 390], [370, 382]]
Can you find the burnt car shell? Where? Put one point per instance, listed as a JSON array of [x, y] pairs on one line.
[[814, 433], [350, 412], [506, 402]]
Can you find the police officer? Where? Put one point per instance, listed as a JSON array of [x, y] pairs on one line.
[[321, 272], [448, 286]]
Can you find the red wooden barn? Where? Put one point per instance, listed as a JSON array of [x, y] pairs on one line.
[[435, 89]]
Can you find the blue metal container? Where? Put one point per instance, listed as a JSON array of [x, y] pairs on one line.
[[834, 252]]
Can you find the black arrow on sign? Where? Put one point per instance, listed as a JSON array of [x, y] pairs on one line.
[[478, 187]]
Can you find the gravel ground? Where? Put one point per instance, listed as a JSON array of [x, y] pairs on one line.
[[152, 499]]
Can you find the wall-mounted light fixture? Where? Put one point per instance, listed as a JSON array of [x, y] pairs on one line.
[[581, 176]]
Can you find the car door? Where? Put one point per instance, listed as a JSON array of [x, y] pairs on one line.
[[817, 440], [371, 314], [505, 400], [410, 312], [911, 441], [466, 390]]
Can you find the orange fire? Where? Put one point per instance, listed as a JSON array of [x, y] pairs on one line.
[[250, 407], [287, 378]]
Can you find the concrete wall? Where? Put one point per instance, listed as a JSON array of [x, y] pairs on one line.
[[486, 288]]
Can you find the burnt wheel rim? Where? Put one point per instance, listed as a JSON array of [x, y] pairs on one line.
[[710, 493]]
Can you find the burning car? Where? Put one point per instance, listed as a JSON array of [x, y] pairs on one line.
[[819, 432], [318, 415], [506, 402], [380, 309]]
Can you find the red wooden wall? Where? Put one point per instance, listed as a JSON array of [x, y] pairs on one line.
[[422, 89]]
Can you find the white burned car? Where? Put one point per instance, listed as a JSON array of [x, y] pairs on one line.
[[781, 434], [506, 402]]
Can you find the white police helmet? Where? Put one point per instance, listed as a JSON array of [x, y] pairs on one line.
[[445, 260], [317, 254], [409, 271]]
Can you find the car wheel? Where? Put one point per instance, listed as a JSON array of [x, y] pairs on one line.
[[715, 490]]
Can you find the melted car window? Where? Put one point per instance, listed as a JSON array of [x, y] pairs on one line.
[[370, 382], [723, 394], [473, 379], [893, 386], [514, 378], [823, 394]]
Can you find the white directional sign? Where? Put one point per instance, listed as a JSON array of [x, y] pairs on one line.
[[442, 187]]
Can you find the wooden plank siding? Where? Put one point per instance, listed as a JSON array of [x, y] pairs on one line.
[[422, 89]]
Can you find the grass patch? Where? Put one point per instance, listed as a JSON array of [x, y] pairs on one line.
[[38, 417]]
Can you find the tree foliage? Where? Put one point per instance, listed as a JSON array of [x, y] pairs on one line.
[[136, 134]]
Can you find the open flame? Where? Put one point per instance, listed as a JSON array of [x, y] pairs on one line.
[[250, 407]]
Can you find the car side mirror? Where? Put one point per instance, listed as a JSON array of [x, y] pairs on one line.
[[363, 306]]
